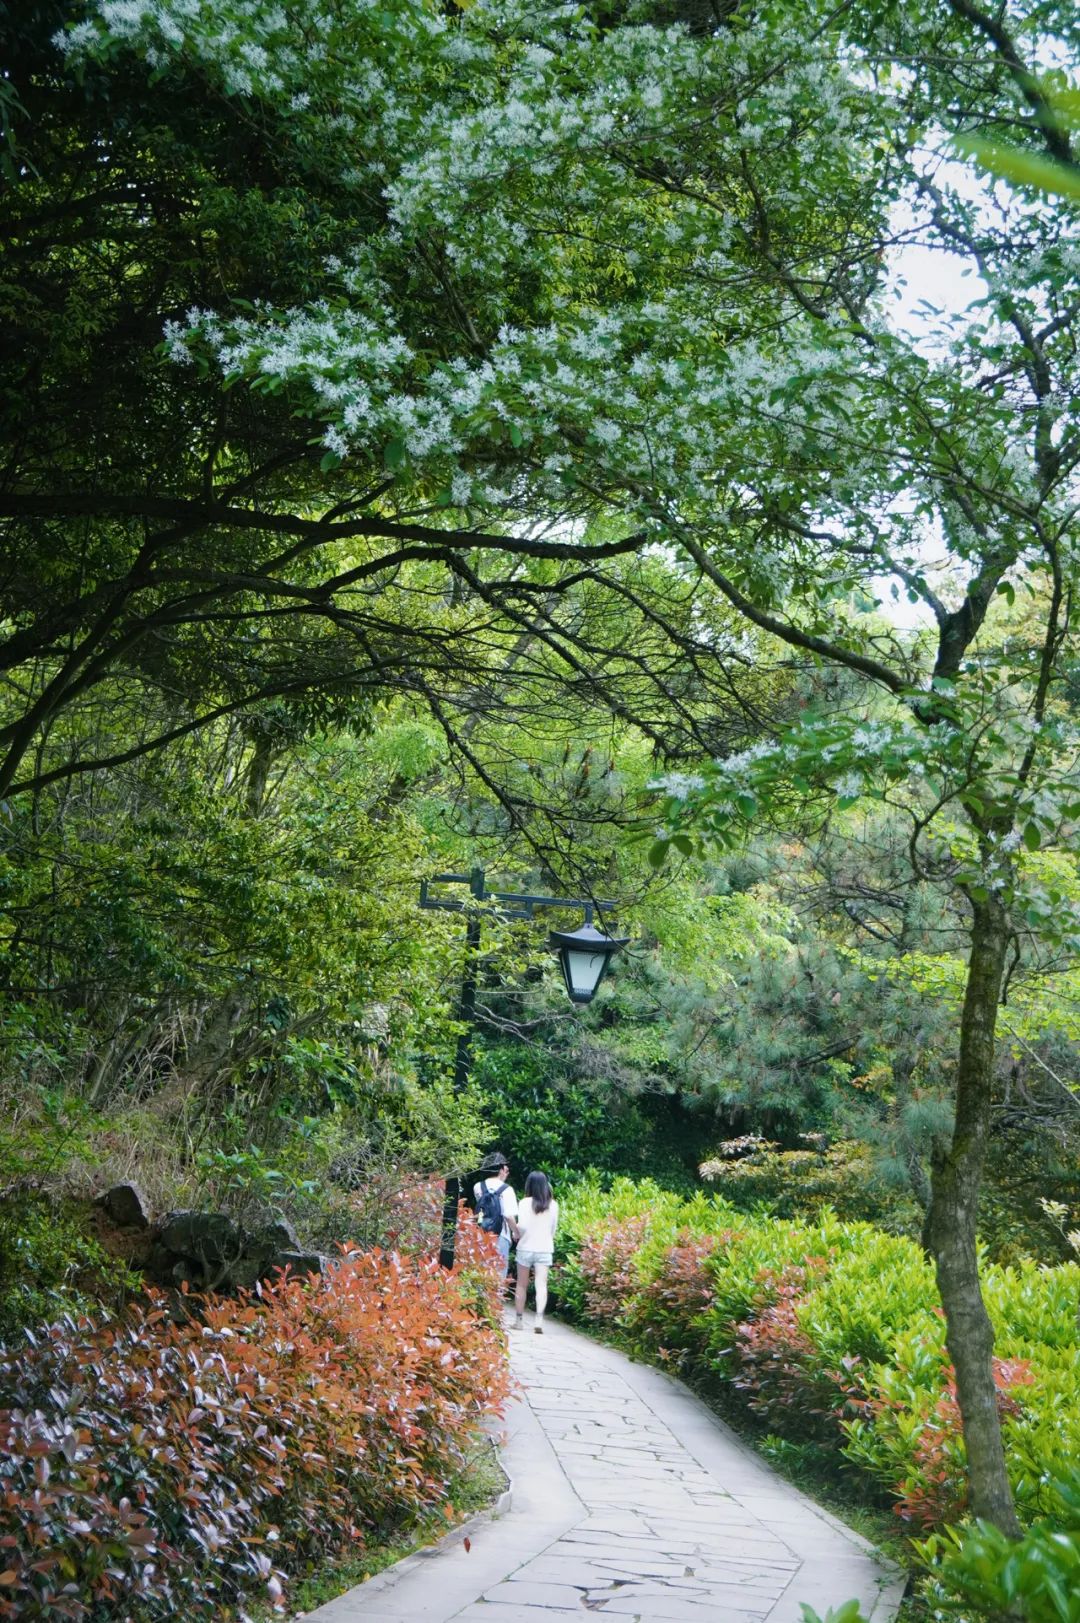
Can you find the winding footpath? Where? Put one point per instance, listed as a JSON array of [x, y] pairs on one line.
[[630, 1501]]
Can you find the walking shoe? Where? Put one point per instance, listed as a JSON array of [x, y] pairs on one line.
[[519, 1322], [538, 1329]]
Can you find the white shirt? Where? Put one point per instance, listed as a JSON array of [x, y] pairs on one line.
[[537, 1228], [509, 1199]]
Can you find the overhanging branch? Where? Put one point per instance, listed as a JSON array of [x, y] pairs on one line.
[[321, 531], [835, 653]]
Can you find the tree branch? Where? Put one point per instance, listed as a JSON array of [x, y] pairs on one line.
[[794, 635], [209, 514], [1055, 140]]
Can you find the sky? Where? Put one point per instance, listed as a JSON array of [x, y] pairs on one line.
[[918, 276]]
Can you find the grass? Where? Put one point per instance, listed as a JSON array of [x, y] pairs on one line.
[[479, 1485]]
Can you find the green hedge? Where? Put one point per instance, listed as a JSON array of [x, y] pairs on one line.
[[832, 1332]]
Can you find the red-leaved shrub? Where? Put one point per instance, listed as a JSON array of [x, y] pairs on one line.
[[937, 1489], [665, 1310], [606, 1260], [150, 1469], [784, 1378]]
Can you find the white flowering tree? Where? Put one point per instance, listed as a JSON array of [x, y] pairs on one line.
[[401, 328], [509, 293]]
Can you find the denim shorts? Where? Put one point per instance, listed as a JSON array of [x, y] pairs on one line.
[[534, 1259]]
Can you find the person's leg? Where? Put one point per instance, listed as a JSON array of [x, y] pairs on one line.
[[519, 1291], [540, 1276]]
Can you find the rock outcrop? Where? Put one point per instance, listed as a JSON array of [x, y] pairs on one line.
[[210, 1250], [126, 1204]]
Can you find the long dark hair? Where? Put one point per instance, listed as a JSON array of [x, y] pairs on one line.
[[538, 1191]]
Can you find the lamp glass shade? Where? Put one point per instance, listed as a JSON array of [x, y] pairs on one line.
[[583, 971], [583, 956]]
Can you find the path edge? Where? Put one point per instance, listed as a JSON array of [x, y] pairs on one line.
[[436, 1583], [391, 1575], [538, 1497], [680, 1406]]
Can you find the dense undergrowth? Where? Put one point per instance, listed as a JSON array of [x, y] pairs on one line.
[[830, 1333], [152, 1465]]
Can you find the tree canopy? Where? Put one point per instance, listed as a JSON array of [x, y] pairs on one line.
[[530, 372]]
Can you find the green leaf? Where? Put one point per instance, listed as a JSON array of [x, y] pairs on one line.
[[683, 843], [1022, 168], [394, 454], [747, 804], [1032, 836], [516, 436], [1007, 590], [328, 460], [658, 853]]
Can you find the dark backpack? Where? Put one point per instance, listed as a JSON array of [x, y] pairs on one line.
[[489, 1212]]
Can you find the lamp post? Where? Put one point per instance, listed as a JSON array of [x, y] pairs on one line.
[[584, 955]]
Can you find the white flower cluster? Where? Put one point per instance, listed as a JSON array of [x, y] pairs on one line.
[[679, 785], [735, 767], [873, 736], [850, 785], [498, 142]]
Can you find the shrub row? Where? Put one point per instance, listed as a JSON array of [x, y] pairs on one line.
[[831, 1333], [151, 1469]]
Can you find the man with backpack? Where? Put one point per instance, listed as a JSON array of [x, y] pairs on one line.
[[496, 1203]]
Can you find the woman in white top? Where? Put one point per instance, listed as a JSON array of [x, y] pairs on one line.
[[537, 1219]]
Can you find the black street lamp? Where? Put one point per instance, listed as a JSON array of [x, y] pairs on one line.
[[584, 955]]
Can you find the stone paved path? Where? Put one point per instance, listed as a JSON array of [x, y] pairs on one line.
[[630, 1501]]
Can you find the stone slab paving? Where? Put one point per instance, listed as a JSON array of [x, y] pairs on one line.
[[631, 1501]]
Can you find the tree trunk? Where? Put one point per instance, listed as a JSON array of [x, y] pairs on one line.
[[257, 775], [957, 1174]]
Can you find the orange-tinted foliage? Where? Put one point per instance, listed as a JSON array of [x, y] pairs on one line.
[[153, 1469], [937, 1489], [607, 1266], [663, 1314], [784, 1378]]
